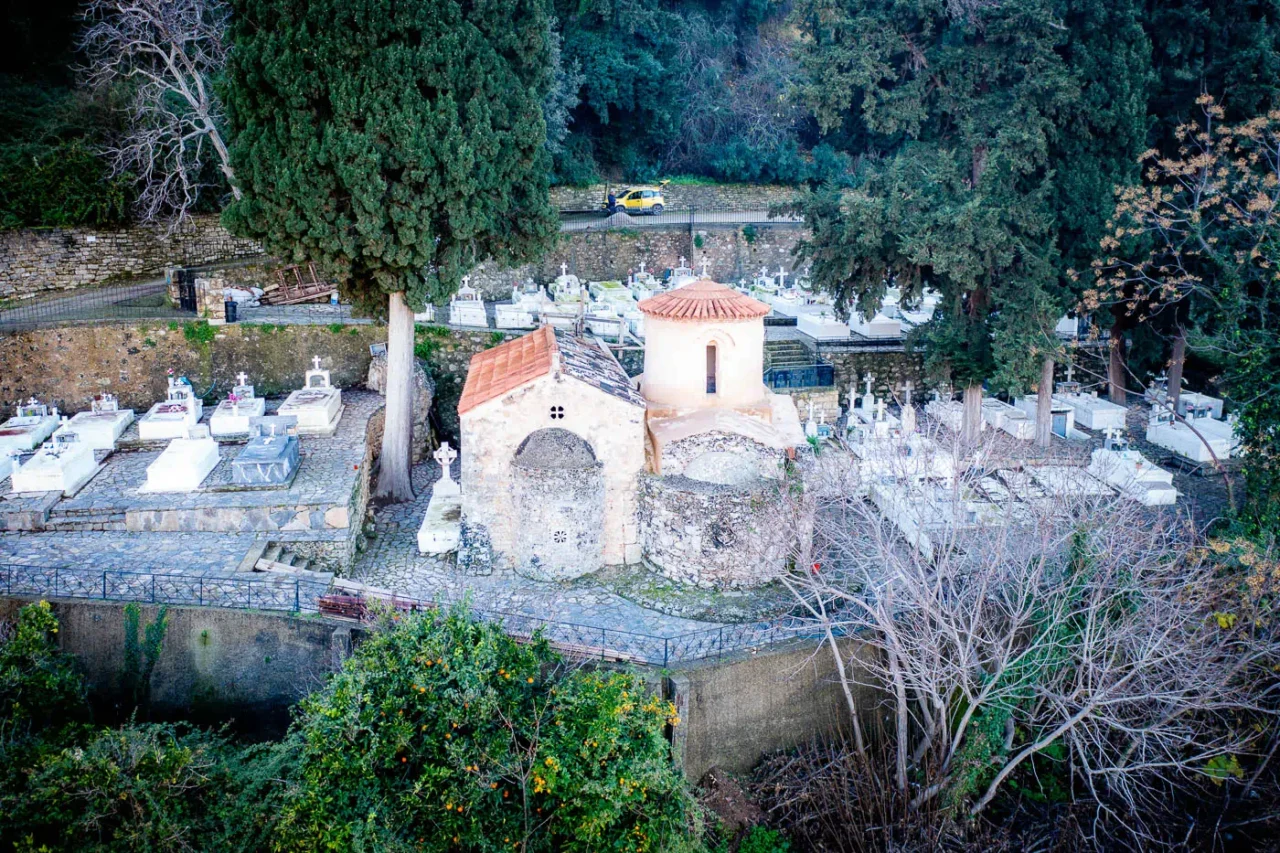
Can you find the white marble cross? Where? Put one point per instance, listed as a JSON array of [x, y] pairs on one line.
[[682, 260], [564, 269], [906, 388], [316, 362], [869, 379], [782, 277], [445, 485], [764, 272], [704, 267], [1071, 369], [879, 410], [466, 281], [642, 268], [242, 378]]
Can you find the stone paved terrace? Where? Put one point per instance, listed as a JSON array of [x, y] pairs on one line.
[[392, 562], [328, 471]]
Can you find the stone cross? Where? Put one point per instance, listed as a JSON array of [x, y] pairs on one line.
[[868, 380], [642, 268], [564, 269], [466, 281], [682, 261], [764, 272], [879, 410], [316, 362], [906, 389], [704, 267], [242, 378], [32, 402], [445, 485], [1071, 369], [782, 277]]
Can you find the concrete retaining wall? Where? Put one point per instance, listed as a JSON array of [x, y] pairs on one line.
[[214, 665], [219, 665], [736, 711]]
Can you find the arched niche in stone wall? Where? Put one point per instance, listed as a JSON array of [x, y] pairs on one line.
[[725, 467], [558, 493]]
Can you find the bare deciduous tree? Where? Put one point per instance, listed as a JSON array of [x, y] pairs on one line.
[[166, 52], [1032, 632]]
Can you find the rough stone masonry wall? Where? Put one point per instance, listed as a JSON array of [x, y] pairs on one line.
[[40, 260], [710, 535], [561, 516], [612, 254], [681, 196], [69, 366]]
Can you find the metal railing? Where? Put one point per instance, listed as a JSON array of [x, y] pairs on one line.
[[266, 593], [819, 375], [143, 301], [295, 595]]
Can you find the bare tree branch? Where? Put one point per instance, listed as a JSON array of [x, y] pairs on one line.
[[165, 52]]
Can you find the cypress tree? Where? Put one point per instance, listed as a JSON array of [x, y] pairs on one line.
[[956, 104], [395, 144]]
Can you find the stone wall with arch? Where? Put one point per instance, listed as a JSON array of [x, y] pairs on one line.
[[557, 485]]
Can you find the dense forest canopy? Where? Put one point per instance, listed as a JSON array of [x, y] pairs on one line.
[[720, 89]]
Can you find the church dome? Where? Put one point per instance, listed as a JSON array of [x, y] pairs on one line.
[[703, 300]]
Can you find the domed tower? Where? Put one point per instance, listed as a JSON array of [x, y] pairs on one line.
[[704, 348], [717, 440]]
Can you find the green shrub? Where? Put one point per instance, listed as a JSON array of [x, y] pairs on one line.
[[453, 736], [59, 184], [761, 840], [149, 788], [39, 686], [199, 332]]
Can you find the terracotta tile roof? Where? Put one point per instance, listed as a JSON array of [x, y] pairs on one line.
[[703, 300], [507, 366]]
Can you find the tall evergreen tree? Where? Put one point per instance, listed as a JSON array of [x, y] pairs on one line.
[[1099, 142], [956, 104], [395, 144]]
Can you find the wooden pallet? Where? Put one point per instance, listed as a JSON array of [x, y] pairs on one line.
[[297, 284]]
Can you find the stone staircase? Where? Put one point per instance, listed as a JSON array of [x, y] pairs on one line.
[[787, 354]]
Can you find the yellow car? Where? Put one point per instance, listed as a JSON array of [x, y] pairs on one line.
[[645, 199]]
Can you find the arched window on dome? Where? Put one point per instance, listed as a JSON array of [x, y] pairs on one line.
[[712, 362]]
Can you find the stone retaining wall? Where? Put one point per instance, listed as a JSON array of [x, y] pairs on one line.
[[41, 260], [68, 366], [681, 196]]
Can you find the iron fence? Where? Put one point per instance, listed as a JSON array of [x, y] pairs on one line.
[[818, 375], [142, 301], [296, 595], [265, 593]]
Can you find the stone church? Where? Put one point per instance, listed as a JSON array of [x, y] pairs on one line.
[[569, 465]]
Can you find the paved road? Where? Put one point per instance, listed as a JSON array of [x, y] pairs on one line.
[[598, 222]]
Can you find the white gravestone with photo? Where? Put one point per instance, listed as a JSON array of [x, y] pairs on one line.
[[172, 418], [317, 405], [33, 423], [102, 425], [64, 465], [232, 417], [185, 463], [442, 525]]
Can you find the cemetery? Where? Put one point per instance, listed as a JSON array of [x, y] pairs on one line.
[[569, 467]]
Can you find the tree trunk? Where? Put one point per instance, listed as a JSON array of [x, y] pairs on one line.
[[1176, 360], [394, 481], [971, 423], [1044, 405], [1116, 366]]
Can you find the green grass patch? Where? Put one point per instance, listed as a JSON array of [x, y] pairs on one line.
[[199, 332]]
